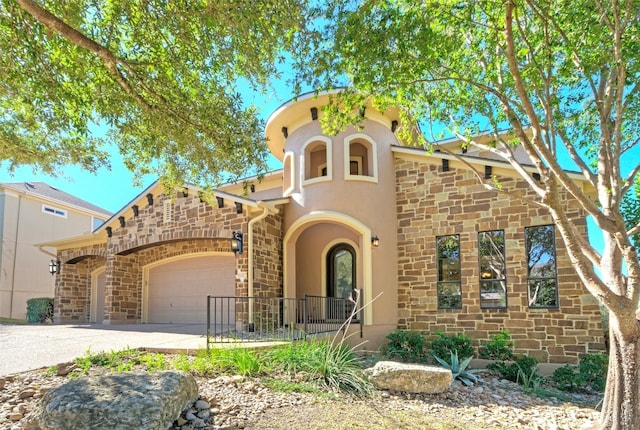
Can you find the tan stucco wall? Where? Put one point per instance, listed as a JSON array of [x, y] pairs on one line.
[[23, 267], [433, 203]]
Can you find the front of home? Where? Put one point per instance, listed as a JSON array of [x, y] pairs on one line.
[[428, 246]]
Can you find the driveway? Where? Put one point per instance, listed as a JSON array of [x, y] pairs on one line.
[[27, 347]]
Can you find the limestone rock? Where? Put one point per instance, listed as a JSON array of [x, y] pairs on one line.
[[123, 401], [410, 378]]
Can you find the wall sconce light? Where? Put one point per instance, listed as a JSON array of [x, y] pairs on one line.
[[314, 113], [238, 207], [220, 201], [54, 267], [109, 232], [445, 165], [285, 132], [121, 219], [487, 172], [236, 242], [375, 241], [394, 126], [150, 199], [136, 210]]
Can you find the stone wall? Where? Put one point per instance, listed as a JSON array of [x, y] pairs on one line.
[[433, 203], [268, 235], [193, 227]]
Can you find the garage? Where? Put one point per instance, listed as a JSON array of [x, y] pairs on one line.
[[177, 289]]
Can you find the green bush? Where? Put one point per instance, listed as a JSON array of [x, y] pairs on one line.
[[590, 373], [500, 347], [514, 370], [40, 310], [406, 345], [444, 345]]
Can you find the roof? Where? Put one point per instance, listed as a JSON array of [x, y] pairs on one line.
[[46, 191]]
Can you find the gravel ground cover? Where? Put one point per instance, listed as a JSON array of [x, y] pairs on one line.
[[239, 402]]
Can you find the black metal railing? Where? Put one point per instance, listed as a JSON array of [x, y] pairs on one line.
[[253, 319]]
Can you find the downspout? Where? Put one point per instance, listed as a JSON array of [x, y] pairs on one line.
[[15, 257], [265, 212]]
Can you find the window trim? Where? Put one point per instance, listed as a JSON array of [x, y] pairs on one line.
[[493, 280], [305, 159], [372, 154], [289, 158], [438, 271], [555, 269], [52, 210]]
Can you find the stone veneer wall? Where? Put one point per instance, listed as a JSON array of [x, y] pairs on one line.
[[433, 203], [194, 227], [267, 271]]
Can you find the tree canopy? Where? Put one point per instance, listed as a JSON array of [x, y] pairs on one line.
[[162, 77]]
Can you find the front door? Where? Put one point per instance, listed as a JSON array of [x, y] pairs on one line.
[[341, 280]]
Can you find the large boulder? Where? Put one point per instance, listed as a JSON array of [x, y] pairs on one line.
[[123, 401], [410, 378]]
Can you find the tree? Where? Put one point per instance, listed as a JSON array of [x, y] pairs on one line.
[[162, 77], [561, 76]]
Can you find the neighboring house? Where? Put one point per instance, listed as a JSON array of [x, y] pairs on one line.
[[30, 213], [415, 232]]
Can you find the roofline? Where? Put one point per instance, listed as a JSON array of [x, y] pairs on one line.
[[417, 152], [56, 201]]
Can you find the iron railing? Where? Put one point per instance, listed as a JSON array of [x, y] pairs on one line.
[[254, 319]]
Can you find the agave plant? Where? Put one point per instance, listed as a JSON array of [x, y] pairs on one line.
[[459, 368]]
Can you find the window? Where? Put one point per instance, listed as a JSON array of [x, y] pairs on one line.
[[341, 280], [493, 281], [360, 161], [288, 174], [317, 160], [541, 266], [54, 211], [449, 285]]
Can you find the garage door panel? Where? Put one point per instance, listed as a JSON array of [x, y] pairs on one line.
[[178, 289]]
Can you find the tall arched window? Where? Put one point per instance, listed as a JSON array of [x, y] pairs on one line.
[[341, 280]]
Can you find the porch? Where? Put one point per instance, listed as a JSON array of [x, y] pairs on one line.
[[265, 319]]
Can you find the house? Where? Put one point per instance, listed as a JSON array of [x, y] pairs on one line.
[[30, 213], [428, 246]]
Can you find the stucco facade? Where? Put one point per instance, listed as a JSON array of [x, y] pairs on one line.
[[31, 213], [358, 210]]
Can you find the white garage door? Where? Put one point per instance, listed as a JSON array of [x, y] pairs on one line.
[[178, 289]]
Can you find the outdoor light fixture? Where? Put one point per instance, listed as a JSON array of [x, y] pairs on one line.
[[375, 241], [236, 242], [54, 267]]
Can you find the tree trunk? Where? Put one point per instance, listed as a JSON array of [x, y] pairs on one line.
[[621, 406]]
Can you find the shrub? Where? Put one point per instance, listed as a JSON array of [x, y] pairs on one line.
[[444, 345], [40, 310], [406, 345], [500, 347], [514, 370], [590, 373]]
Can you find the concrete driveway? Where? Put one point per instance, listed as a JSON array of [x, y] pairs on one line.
[[27, 347]]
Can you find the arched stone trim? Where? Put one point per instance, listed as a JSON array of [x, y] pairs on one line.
[[289, 255]]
